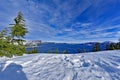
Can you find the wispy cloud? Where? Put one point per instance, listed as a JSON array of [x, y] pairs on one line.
[[65, 20]]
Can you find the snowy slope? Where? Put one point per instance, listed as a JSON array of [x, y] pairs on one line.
[[103, 65]]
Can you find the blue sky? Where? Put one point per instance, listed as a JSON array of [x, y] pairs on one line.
[[73, 21]]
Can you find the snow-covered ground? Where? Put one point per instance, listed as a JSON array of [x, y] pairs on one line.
[[103, 65]]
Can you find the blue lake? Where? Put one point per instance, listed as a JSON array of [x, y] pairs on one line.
[[70, 48]]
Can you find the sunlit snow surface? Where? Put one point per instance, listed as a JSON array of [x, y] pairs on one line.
[[103, 65]]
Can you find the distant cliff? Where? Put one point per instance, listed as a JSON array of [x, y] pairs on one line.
[[33, 43]]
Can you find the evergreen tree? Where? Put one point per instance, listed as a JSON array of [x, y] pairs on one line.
[[96, 47], [84, 51], [8, 49], [118, 44], [78, 50], [18, 30], [57, 51], [7, 41], [33, 51], [112, 46], [49, 51], [2, 42]]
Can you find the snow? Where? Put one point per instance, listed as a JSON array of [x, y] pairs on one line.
[[104, 65]]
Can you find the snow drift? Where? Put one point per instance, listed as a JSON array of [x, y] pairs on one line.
[[103, 65]]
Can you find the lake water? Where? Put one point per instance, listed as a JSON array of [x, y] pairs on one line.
[[61, 47]]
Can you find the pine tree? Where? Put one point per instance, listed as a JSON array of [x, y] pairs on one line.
[[33, 51], [18, 30], [96, 47], [49, 51], [7, 41], [57, 51], [112, 46], [78, 50], [84, 51], [2, 42], [118, 44]]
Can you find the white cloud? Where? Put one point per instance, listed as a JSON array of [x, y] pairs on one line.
[[46, 19]]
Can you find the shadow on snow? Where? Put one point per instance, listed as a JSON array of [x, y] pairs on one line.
[[12, 72]]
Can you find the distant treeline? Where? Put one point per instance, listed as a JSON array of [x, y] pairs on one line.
[[95, 47], [110, 46]]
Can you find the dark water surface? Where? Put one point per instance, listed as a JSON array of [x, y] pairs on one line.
[[61, 47]]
